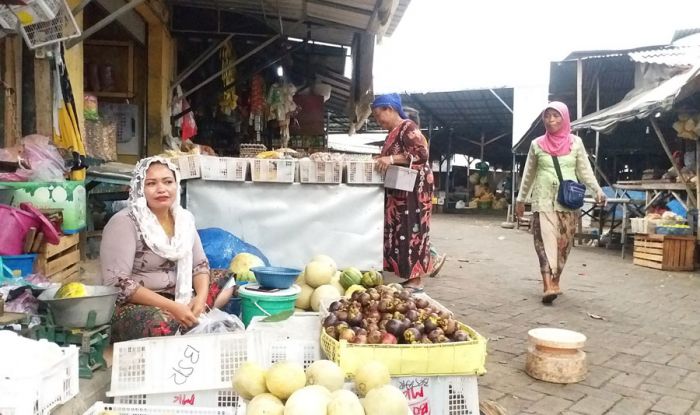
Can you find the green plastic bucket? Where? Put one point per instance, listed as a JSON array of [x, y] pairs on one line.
[[257, 303]]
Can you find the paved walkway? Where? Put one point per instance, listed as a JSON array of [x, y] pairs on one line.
[[643, 355]]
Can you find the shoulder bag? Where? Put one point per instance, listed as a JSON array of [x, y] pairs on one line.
[[571, 192]]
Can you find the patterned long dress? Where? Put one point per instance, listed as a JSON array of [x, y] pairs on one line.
[[407, 214]]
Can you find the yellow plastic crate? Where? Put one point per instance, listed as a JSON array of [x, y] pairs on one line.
[[444, 359]]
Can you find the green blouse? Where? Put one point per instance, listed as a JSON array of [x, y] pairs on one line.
[[540, 184]]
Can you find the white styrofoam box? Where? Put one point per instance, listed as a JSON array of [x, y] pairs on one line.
[[219, 398], [189, 363], [295, 339], [224, 168], [400, 178], [273, 170], [100, 407], [362, 172], [445, 395], [22, 393], [190, 166], [329, 172]]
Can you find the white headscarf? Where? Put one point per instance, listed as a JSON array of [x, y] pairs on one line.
[[179, 247]]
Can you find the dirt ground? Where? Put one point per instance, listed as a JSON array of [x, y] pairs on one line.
[[643, 348]]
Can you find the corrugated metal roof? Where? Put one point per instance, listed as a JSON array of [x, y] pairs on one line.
[[332, 21], [669, 55]]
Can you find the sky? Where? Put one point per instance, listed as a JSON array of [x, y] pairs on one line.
[[447, 45]]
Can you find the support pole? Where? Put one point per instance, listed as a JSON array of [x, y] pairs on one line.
[[697, 183], [579, 88], [597, 133], [449, 163], [664, 144], [513, 183]]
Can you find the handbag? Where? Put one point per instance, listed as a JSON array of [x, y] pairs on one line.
[[571, 192]]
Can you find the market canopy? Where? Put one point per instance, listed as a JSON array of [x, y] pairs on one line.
[[641, 104]]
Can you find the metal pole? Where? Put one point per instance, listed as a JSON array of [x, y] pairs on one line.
[[597, 133], [579, 88], [513, 183], [482, 145], [232, 65], [103, 23], [697, 183], [664, 144], [199, 62], [449, 163]]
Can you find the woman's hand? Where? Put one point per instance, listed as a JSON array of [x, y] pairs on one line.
[[183, 314], [383, 163], [197, 304], [519, 209], [601, 199]]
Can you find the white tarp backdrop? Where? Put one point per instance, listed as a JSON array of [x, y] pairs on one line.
[[290, 223]]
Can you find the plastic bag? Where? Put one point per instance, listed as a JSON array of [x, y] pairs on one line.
[[217, 321], [221, 246]]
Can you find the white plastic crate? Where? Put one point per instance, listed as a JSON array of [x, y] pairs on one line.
[[39, 394], [330, 172], [644, 225], [41, 33], [273, 170], [224, 168], [295, 339], [165, 365], [99, 407], [33, 12], [446, 395], [363, 172], [190, 166], [221, 398]]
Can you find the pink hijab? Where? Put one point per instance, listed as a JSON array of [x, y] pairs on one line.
[[559, 143]]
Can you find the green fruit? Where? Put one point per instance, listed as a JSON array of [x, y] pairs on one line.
[[371, 279], [350, 276]]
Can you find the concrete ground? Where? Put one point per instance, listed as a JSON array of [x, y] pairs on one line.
[[643, 350], [643, 325]]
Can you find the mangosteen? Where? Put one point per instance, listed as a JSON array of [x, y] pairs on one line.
[[401, 307], [335, 306], [411, 335], [341, 315], [460, 336], [354, 318], [347, 334], [360, 339], [405, 295], [421, 302], [364, 298], [360, 330], [412, 315], [420, 326], [449, 326], [372, 326], [331, 331], [394, 327], [330, 320], [431, 323], [374, 337]]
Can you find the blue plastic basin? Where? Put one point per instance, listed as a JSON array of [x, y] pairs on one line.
[[275, 277]]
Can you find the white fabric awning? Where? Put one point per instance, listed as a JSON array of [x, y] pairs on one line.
[[642, 104]]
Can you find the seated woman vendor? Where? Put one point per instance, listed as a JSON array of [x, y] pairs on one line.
[[151, 251]]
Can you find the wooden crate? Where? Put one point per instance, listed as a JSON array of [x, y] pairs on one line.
[[60, 263], [666, 252]]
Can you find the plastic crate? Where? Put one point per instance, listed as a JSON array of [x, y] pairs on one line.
[[295, 339], [224, 168], [363, 172], [19, 265], [164, 365], [190, 166], [444, 359], [328, 172], [643, 225], [446, 395], [221, 398], [273, 170], [99, 407], [33, 12], [69, 196], [62, 27], [39, 394]]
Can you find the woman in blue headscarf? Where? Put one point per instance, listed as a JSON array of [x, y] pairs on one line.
[[407, 214]]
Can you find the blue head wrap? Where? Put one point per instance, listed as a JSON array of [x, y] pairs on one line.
[[390, 100]]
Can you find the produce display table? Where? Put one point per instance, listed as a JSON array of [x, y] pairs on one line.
[[654, 190], [292, 222]]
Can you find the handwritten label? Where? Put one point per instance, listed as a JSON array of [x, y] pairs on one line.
[[417, 391], [185, 366], [184, 400]]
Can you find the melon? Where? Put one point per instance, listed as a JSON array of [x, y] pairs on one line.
[[335, 281], [249, 380], [350, 276], [325, 258], [371, 279], [385, 400], [370, 375], [354, 288], [325, 373], [318, 273], [325, 294], [265, 404], [344, 402], [71, 290], [285, 378], [310, 400], [304, 299], [243, 262]]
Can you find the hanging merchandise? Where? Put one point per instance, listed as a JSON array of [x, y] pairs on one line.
[[257, 103], [688, 126], [66, 131], [186, 123], [229, 99], [280, 101]]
